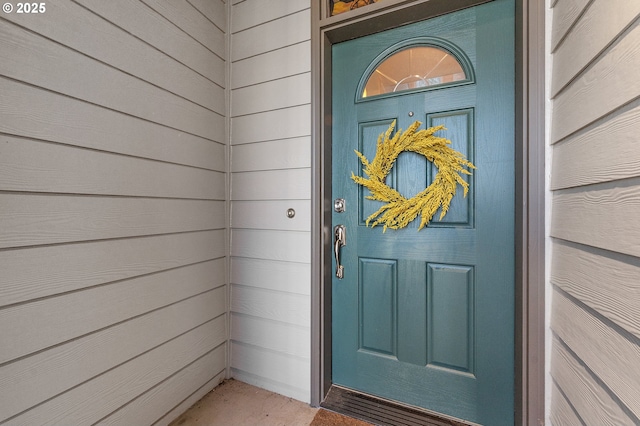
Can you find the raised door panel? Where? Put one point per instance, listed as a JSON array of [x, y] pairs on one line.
[[377, 289], [451, 317], [368, 134]]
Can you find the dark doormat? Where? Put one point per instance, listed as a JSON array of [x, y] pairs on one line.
[[329, 418], [382, 412]]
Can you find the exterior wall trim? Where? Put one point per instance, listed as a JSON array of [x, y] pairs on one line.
[[530, 184], [530, 212]]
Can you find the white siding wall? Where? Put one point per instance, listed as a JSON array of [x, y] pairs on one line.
[[270, 165], [113, 296], [595, 182]]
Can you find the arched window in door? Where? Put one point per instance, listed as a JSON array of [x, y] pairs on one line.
[[422, 65]]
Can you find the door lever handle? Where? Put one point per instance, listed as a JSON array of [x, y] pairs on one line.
[[340, 236]]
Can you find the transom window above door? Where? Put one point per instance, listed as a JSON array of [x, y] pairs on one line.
[[340, 6], [416, 67]]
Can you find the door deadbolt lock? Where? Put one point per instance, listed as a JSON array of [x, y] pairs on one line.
[[339, 205]]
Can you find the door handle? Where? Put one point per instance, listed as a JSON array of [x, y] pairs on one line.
[[340, 236]]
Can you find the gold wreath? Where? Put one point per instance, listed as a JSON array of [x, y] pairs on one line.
[[399, 211]]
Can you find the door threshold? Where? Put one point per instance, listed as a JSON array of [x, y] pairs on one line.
[[380, 411]]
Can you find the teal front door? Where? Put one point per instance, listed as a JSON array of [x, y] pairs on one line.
[[426, 317]]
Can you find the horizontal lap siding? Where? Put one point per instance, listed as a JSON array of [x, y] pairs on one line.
[[270, 173], [87, 79], [595, 224], [113, 223], [161, 34], [33, 113]]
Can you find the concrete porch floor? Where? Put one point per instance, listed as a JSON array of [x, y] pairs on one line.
[[234, 403], [237, 403]]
